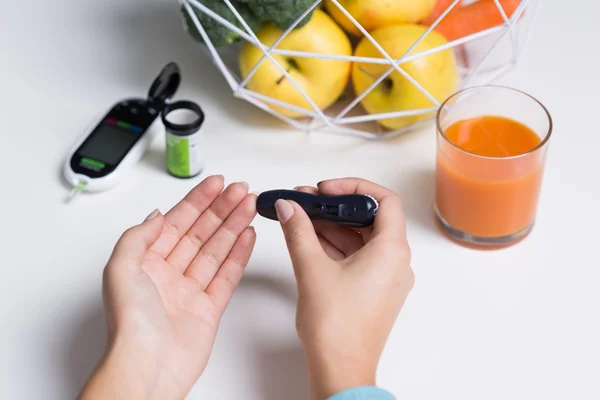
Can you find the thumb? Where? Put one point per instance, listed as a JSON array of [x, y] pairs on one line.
[[300, 236], [132, 246]]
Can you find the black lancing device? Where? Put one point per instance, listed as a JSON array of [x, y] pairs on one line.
[[354, 210]]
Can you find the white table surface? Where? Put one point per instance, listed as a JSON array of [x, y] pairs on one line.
[[521, 323]]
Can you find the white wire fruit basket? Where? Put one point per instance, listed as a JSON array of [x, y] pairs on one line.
[[329, 69]]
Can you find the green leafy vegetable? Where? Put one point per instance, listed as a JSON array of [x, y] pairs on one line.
[[219, 34], [283, 13]]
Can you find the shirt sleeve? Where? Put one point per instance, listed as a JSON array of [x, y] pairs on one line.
[[363, 393]]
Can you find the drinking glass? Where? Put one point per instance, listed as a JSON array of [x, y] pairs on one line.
[[489, 201]]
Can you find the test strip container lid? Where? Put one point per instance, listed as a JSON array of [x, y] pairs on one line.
[[165, 86]]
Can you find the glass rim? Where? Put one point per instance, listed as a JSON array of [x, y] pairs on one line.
[[464, 90]]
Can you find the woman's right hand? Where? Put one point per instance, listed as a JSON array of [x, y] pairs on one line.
[[352, 285]]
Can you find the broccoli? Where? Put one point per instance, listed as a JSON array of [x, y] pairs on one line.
[[219, 34], [283, 13]]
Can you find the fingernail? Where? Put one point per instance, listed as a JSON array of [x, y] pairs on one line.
[[296, 187], [319, 183], [244, 183], [284, 209], [152, 215], [256, 193]]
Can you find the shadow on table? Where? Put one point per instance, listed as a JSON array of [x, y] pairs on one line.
[[417, 190], [155, 159], [282, 373], [285, 290], [86, 345], [281, 368]]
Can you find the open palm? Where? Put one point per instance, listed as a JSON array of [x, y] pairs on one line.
[[170, 278]]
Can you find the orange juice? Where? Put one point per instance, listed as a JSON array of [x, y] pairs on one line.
[[492, 136], [488, 176]]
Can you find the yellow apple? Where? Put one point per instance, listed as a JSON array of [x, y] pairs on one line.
[[323, 80], [437, 73], [373, 14]]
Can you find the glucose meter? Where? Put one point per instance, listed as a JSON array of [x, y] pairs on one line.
[[116, 142]]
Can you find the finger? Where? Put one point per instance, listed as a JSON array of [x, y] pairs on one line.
[[181, 217], [300, 236], [353, 185], [223, 285], [390, 220], [331, 250], [217, 248], [344, 239], [206, 225], [132, 246], [307, 189]]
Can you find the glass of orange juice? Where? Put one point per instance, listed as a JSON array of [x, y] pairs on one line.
[[491, 150]]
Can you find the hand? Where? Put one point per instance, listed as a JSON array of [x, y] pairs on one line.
[[165, 289], [352, 285]]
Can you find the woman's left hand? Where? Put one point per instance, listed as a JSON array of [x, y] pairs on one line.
[[166, 286]]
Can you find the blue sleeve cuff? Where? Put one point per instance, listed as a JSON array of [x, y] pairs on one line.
[[363, 393]]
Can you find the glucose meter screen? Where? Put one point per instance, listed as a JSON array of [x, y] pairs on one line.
[[109, 144]]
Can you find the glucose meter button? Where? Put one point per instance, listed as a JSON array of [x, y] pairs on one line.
[[347, 211]]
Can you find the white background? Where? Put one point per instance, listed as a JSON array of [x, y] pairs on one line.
[[521, 323]]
